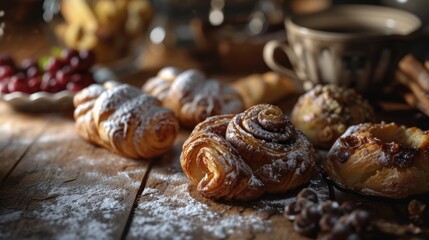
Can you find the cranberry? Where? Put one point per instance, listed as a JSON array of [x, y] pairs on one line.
[[63, 76], [68, 53], [6, 71], [6, 60], [75, 86], [87, 57], [18, 83], [34, 84], [28, 63], [3, 87], [50, 84], [33, 71], [76, 64], [76, 77], [53, 65]]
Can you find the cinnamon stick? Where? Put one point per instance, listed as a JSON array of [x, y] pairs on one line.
[[414, 102], [418, 97], [415, 71], [427, 64]]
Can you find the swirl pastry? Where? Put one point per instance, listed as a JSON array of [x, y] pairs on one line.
[[191, 96], [325, 112], [381, 159], [241, 157], [124, 120]]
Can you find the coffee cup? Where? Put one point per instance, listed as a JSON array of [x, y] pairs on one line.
[[355, 46]]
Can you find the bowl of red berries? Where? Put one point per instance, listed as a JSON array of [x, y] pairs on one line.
[[48, 83]]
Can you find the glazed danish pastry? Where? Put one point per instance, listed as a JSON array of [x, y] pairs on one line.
[[124, 120], [192, 96], [241, 157], [325, 112], [381, 159]]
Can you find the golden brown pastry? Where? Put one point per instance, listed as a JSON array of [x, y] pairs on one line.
[[264, 88], [192, 96], [381, 159], [241, 157], [325, 112], [124, 120]]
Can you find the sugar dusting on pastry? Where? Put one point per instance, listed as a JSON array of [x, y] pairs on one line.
[[192, 96], [260, 164], [126, 121]]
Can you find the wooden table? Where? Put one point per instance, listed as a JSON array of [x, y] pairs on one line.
[[55, 185]]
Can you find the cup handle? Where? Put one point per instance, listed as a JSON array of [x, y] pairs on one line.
[[268, 55]]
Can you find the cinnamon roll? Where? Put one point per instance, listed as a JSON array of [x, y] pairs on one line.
[[241, 157]]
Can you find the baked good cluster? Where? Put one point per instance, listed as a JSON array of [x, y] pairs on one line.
[[236, 152]]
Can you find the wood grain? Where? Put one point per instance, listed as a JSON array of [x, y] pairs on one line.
[[64, 187], [171, 208], [18, 133]]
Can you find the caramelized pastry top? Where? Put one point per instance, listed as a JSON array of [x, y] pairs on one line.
[[381, 159], [245, 155], [325, 112]]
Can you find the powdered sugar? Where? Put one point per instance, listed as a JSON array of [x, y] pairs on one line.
[[69, 209], [173, 213]]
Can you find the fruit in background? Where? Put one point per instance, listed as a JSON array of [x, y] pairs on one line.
[[6, 60], [18, 83], [70, 70], [6, 71], [105, 26]]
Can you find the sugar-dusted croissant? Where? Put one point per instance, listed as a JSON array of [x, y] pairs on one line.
[[192, 96], [124, 120], [241, 157]]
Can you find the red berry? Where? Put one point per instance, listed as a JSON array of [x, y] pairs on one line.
[[77, 77], [6, 71], [18, 83], [63, 76], [54, 64], [68, 53], [77, 64], [28, 63], [3, 87], [50, 84], [88, 57], [6, 60], [33, 72], [75, 87], [34, 84]]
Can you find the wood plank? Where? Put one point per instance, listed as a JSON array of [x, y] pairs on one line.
[[170, 208], [18, 132], [65, 187]]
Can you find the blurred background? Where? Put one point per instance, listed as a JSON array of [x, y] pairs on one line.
[[215, 35]]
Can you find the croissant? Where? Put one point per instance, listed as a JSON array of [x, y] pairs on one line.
[[124, 120], [264, 88], [191, 96], [241, 157]]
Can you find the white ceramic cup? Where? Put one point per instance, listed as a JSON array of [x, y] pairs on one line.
[[349, 45]]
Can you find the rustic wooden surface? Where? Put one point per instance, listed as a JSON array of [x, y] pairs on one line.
[[55, 185]]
